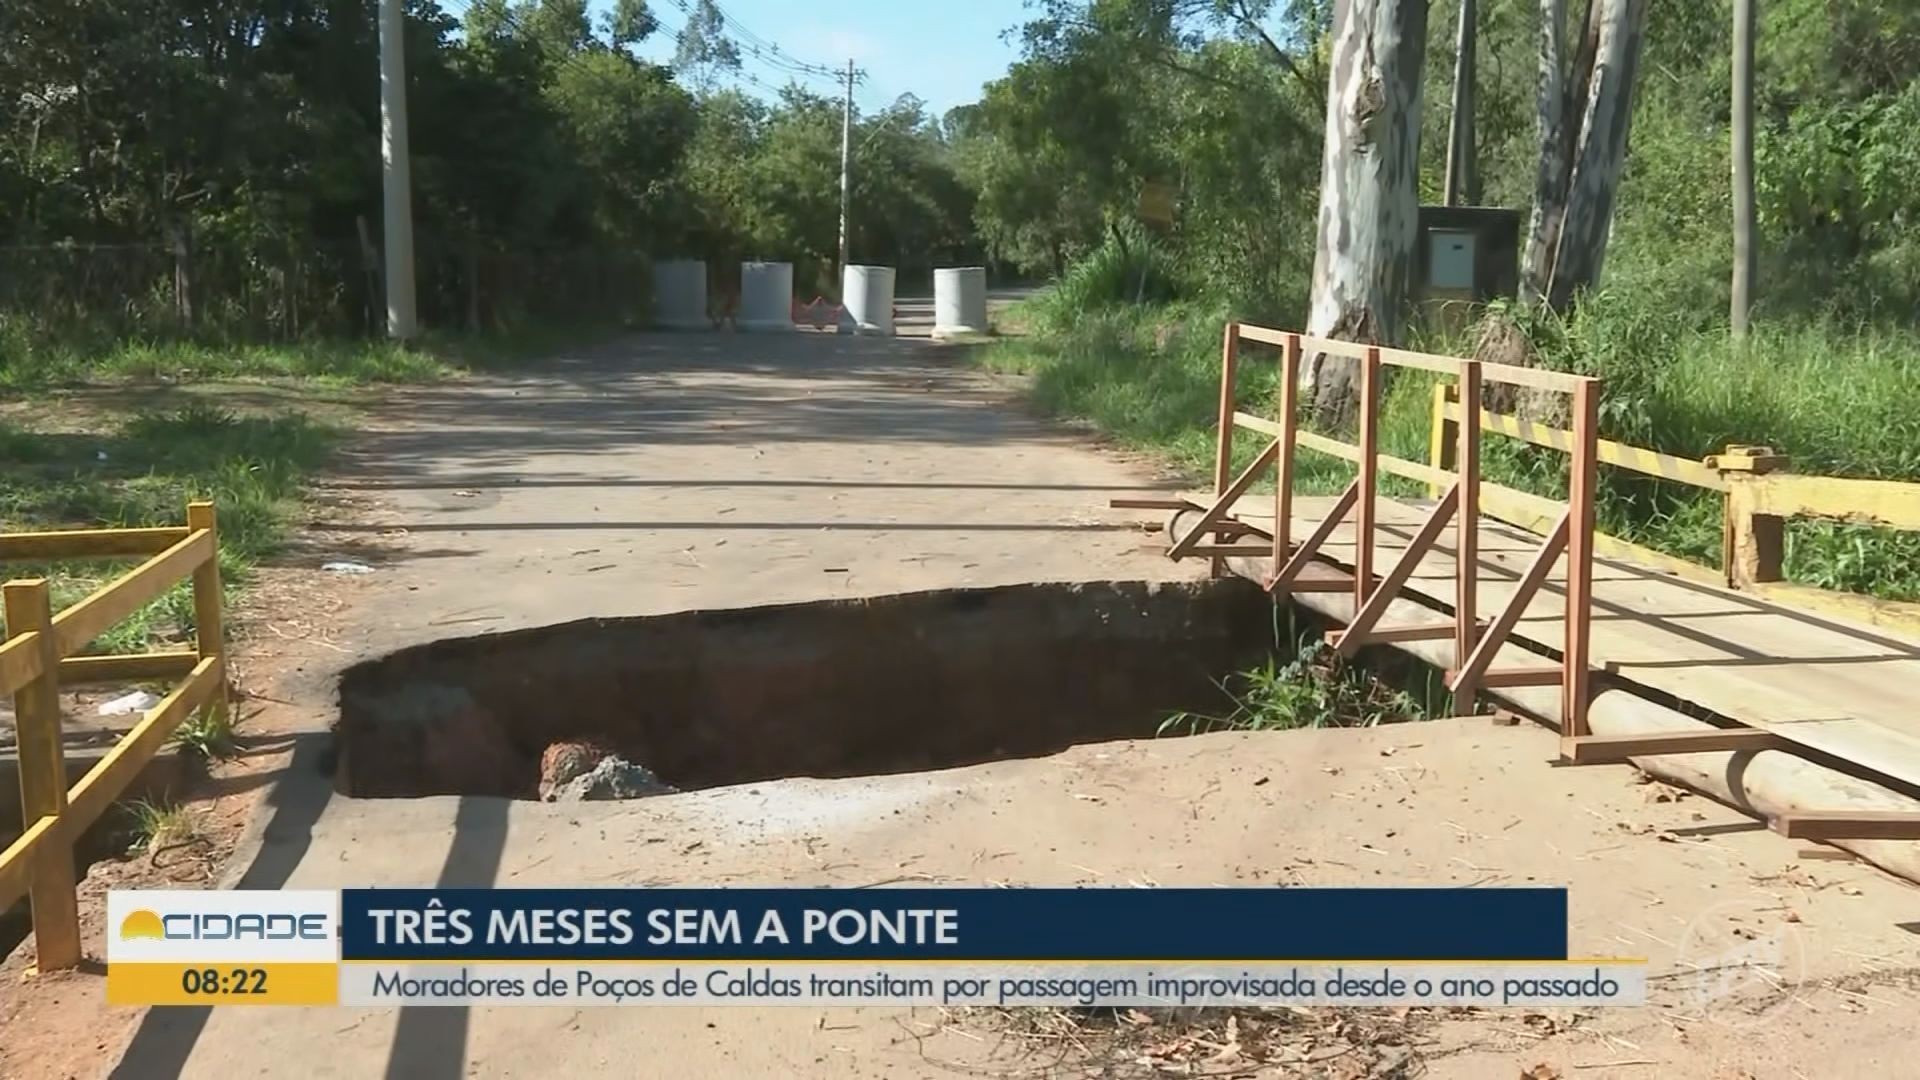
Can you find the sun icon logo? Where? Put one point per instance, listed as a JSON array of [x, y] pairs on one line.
[[141, 924]]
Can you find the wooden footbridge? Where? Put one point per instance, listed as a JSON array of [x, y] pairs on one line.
[[1795, 703]]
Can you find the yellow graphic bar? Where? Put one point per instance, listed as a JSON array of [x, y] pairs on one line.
[[223, 984]]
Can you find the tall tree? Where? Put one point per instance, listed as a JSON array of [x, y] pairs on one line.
[[703, 51], [1369, 187], [1584, 112]]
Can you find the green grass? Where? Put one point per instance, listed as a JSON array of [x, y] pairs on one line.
[[87, 460], [1312, 690], [1838, 400], [207, 733], [143, 470], [30, 362], [156, 825]]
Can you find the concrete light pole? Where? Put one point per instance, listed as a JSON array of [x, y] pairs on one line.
[[396, 173]]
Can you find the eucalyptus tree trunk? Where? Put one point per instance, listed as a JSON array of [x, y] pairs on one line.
[[1369, 192], [1584, 111]]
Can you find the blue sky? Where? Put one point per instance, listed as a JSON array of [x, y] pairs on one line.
[[939, 50]]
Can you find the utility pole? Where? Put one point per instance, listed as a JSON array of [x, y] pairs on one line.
[[396, 168], [1745, 253], [846, 159], [1463, 182]]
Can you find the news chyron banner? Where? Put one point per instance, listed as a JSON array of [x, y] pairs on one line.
[[1499, 947]]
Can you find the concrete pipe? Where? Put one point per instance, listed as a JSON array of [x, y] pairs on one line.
[[766, 296], [867, 300], [960, 301], [680, 295]]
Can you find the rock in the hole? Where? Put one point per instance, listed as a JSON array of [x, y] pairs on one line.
[[612, 777], [563, 761]]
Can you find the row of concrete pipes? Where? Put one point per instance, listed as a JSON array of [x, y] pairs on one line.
[[766, 301]]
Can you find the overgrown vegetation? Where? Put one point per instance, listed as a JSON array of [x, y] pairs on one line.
[[142, 471], [170, 175], [207, 733], [1828, 377], [1313, 689], [158, 825]]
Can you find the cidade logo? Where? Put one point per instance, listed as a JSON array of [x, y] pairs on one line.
[[168, 925], [224, 926]]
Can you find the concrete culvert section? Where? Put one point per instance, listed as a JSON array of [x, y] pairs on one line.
[[840, 688], [680, 295]]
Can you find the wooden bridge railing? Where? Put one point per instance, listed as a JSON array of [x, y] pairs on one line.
[[38, 657], [1568, 539], [1760, 496]]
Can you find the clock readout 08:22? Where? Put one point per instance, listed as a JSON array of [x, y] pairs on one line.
[[221, 981]]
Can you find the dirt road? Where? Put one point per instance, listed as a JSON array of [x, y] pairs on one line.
[[705, 471]]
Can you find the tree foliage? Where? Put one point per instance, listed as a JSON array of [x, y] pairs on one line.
[[538, 134]]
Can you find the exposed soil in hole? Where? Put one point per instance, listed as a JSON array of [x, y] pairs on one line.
[[891, 684]]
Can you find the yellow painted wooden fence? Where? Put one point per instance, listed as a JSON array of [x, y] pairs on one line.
[[39, 654]]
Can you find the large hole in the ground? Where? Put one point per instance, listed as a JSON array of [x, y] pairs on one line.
[[837, 688]]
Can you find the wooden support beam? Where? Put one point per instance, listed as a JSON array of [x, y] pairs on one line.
[[1495, 678], [1849, 825], [1597, 749], [1482, 656], [1223, 505], [1582, 493], [76, 670], [1342, 583], [43, 780], [20, 660], [80, 624], [1375, 604], [1229, 551], [1286, 438], [1753, 546], [110, 775], [87, 543], [1223, 445], [1392, 633], [1466, 543], [1305, 552], [1364, 508], [16, 862], [1153, 504], [1620, 455]]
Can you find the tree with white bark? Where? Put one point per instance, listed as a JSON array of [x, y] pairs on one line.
[[1369, 188], [1584, 110]]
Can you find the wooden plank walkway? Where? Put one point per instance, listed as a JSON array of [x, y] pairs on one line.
[[1832, 686]]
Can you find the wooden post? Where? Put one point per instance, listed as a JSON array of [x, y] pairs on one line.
[[1369, 476], [1223, 445], [209, 627], [1466, 548], [1440, 437], [1289, 425], [1753, 546], [43, 779], [1584, 477]]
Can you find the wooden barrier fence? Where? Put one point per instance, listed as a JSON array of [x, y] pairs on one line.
[[1302, 567], [1760, 495], [39, 656]]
